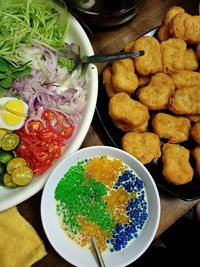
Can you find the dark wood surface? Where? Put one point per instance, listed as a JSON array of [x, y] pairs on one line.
[[107, 41]]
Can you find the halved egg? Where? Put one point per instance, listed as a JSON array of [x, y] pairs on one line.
[[13, 113]]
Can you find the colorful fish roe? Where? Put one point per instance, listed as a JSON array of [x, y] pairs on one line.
[[104, 170], [101, 197]]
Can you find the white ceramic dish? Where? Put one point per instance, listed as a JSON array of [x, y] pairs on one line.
[[83, 257], [12, 197]]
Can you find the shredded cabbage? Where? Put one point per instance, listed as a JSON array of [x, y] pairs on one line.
[[23, 22]]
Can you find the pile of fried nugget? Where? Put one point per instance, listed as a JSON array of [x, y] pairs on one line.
[[155, 99]]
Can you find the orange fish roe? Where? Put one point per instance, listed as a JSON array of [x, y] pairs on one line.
[[104, 170], [89, 229], [117, 203]]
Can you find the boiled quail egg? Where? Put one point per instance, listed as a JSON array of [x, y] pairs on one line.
[[13, 113]]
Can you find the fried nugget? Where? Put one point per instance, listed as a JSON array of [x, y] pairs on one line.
[[185, 101], [173, 11], [156, 94], [195, 132], [186, 27], [174, 129], [176, 166], [107, 81], [186, 78], [144, 146], [191, 61], [124, 78], [124, 109], [177, 28], [164, 30], [193, 118], [163, 33], [151, 61], [127, 127], [198, 51], [173, 55], [196, 155], [143, 80], [128, 47]]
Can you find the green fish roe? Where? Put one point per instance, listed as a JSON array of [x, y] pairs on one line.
[[78, 196]]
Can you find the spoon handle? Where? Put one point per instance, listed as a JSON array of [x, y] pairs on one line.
[[111, 57], [98, 253]]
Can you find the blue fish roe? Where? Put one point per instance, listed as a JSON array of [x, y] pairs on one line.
[[136, 210]]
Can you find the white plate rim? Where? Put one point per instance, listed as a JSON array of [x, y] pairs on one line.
[[51, 222], [18, 195]]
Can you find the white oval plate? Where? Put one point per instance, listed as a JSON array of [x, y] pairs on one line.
[[12, 197], [82, 257]]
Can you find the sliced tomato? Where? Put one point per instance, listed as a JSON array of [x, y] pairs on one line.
[[59, 122], [42, 144], [35, 126], [49, 115]]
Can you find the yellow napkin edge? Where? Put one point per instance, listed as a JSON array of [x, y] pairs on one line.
[[39, 251]]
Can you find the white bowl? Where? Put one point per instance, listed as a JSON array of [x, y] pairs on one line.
[[83, 257], [11, 197]]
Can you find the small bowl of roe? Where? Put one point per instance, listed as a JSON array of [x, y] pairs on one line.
[[100, 192]]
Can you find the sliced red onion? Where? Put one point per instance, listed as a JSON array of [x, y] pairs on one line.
[[53, 87]]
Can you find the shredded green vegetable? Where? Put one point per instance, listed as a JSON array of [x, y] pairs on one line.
[[24, 21]]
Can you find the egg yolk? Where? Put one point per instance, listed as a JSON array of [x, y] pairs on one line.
[[10, 118], [16, 107]]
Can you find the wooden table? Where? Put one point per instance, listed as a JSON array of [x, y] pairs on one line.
[[113, 40]]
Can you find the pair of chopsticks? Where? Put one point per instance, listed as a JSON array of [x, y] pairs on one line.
[[98, 253]]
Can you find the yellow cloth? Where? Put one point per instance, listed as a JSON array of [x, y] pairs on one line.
[[20, 245]]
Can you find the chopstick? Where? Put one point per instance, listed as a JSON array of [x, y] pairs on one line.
[[98, 253]]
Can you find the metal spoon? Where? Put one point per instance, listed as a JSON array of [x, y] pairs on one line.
[[72, 53], [99, 58], [98, 253]]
